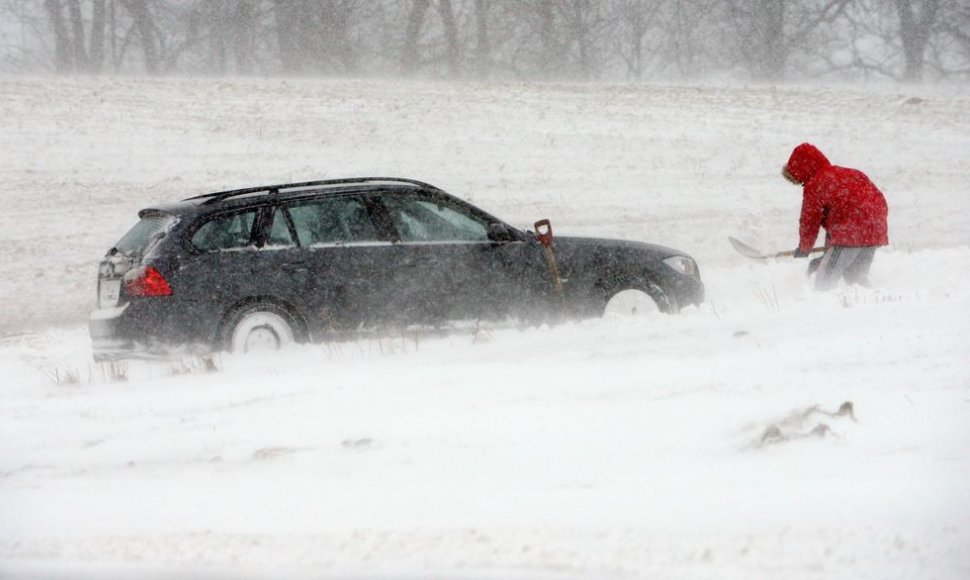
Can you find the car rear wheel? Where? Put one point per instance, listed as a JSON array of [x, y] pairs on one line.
[[259, 327]]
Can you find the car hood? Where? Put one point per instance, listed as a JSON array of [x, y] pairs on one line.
[[583, 244], [592, 259]]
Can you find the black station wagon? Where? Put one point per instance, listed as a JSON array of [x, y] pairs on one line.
[[266, 266]]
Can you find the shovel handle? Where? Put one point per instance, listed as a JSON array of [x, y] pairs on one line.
[[792, 252], [544, 235]]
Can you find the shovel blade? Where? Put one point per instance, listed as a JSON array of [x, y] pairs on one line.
[[745, 249]]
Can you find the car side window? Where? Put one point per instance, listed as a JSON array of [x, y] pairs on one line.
[[279, 233], [338, 220], [430, 220], [225, 232]]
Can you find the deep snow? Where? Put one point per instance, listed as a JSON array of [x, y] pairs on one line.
[[606, 447]]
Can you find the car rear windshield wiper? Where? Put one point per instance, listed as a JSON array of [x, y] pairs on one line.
[[114, 251]]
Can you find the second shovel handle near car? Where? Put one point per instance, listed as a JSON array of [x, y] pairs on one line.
[[544, 235]]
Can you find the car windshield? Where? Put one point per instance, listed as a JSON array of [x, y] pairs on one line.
[[141, 235]]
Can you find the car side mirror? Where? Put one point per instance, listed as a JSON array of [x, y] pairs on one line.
[[497, 232]]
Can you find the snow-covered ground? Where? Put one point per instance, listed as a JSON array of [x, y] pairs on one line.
[[597, 449]]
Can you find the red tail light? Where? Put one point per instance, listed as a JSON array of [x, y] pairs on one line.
[[146, 281]]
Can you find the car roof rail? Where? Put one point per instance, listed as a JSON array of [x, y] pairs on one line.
[[210, 198]]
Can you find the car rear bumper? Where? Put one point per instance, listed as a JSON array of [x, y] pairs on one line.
[[142, 330], [107, 340]]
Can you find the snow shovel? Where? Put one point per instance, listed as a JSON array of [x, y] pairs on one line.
[[755, 254], [544, 235]]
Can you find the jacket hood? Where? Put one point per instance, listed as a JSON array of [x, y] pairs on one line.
[[805, 161]]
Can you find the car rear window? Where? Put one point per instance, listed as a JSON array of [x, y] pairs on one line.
[[150, 228], [225, 232]]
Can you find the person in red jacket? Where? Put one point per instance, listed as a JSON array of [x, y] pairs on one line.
[[848, 205]]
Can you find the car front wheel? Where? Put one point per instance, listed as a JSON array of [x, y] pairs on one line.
[[641, 299]]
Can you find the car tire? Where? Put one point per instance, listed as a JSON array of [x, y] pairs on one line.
[[262, 326], [639, 298]]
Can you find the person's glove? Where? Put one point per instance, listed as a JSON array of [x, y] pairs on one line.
[[799, 253]]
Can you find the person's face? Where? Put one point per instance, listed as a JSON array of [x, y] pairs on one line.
[[787, 175]]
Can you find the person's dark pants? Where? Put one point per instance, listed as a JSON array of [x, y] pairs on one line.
[[849, 263]]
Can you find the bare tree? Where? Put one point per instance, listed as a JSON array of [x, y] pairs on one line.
[[559, 39], [914, 39], [768, 33], [956, 24], [482, 44], [63, 58], [73, 51], [453, 48], [145, 24], [293, 38], [916, 21], [336, 21], [632, 20], [550, 57], [77, 28], [240, 34], [98, 23], [412, 36], [582, 19]]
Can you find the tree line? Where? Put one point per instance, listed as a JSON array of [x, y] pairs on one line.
[[636, 40]]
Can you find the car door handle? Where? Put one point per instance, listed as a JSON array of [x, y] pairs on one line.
[[295, 267], [422, 261]]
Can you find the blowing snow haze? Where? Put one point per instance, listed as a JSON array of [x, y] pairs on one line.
[[769, 431]]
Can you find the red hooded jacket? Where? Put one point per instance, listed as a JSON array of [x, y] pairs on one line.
[[843, 201]]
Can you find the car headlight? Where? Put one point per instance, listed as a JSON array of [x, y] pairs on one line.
[[683, 264]]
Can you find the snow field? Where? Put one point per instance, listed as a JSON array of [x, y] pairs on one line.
[[601, 448]]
